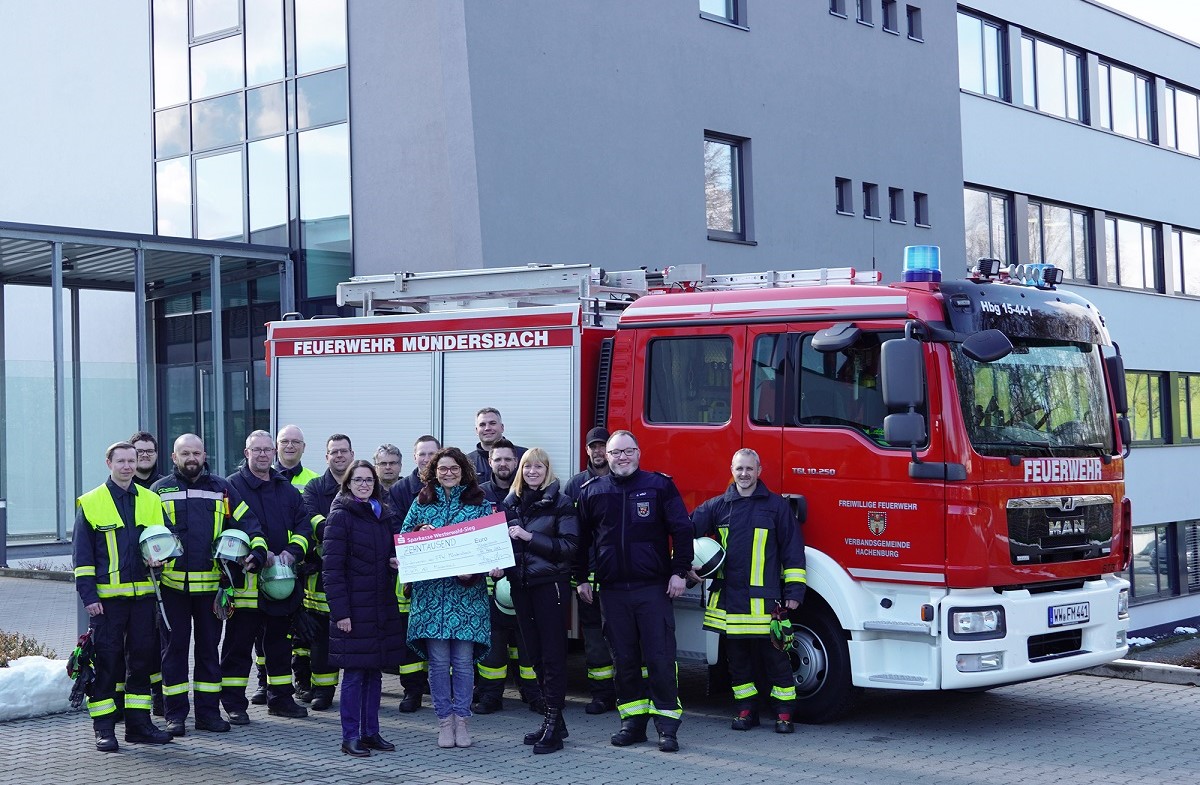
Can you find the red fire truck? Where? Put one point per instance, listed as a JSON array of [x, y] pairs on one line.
[[955, 448]]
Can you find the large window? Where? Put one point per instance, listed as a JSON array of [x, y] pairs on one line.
[[732, 11], [690, 380], [1051, 78], [1131, 248], [1187, 389], [1059, 236], [1150, 569], [1186, 247], [1125, 105], [1146, 417], [1181, 121], [986, 217], [724, 183], [980, 56]]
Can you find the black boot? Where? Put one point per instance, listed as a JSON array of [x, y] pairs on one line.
[[551, 740], [633, 731], [259, 696], [561, 729]]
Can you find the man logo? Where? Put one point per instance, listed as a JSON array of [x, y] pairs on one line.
[[1066, 503], [877, 522]]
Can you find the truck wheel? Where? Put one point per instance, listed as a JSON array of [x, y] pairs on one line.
[[820, 665]]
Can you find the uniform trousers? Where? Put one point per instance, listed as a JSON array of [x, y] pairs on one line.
[[639, 624], [188, 615], [126, 652]]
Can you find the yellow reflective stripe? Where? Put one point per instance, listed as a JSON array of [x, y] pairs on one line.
[[300, 652], [298, 539], [645, 672], [114, 556], [492, 674], [169, 506], [85, 572], [175, 689], [513, 653], [743, 691], [234, 681], [278, 681], [795, 575], [240, 510], [413, 667], [723, 534], [634, 708], [260, 660], [101, 708], [758, 554], [137, 702], [258, 542], [206, 686], [324, 679], [673, 714], [527, 673], [156, 678], [784, 693], [135, 589], [601, 674]]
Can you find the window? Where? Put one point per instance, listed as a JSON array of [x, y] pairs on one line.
[[1187, 390], [727, 10], [1145, 406], [1125, 103], [842, 388], [891, 16], [1181, 124], [1150, 568], [1187, 261], [864, 12], [986, 217], [1131, 250], [980, 56], [1051, 78], [1059, 236], [837, 7], [870, 193], [768, 369], [920, 209], [896, 205], [843, 195], [690, 380], [723, 187], [916, 31]]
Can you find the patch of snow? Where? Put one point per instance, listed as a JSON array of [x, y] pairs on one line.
[[1186, 630], [1140, 641], [34, 687]]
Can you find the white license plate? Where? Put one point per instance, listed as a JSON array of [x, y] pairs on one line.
[[1066, 615]]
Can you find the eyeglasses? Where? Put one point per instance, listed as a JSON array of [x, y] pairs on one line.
[[339, 452], [449, 470], [628, 452], [363, 480], [147, 452], [290, 443], [261, 450]]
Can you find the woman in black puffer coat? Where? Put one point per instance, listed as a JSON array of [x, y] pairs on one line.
[[545, 535], [365, 633]]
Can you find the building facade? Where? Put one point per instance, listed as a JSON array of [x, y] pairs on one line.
[[372, 137]]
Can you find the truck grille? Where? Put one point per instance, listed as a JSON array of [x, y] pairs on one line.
[[1052, 529]]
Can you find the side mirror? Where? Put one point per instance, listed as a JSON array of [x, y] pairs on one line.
[[840, 336], [987, 346], [902, 373], [904, 430], [1115, 366]]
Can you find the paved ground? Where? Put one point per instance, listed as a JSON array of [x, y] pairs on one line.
[[1069, 729]]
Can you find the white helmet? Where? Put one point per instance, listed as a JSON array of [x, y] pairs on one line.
[[158, 543], [503, 592], [707, 556], [277, 581], [233, 544]]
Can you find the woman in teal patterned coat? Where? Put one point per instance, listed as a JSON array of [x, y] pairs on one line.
[[449, 623]]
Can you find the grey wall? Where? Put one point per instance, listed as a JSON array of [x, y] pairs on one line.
[[579, 136]]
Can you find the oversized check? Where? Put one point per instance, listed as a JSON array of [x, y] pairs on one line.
[[461, 549]]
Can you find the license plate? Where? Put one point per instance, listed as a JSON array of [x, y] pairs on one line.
[[1066, 615]]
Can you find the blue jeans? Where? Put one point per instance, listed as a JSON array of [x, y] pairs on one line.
[[360, 702], [451, 676]]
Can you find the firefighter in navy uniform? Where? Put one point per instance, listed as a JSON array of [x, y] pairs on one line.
[[289, 451], [597, 655], [115, 588], [492, 671], [414, 679], [318, 498], [629, 522], [200, 506], [763, 572], [280, 512]]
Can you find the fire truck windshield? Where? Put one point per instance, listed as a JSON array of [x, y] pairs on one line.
[[1044, 398]]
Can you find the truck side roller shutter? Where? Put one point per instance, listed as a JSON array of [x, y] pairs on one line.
[[373, 399], [534, 389]]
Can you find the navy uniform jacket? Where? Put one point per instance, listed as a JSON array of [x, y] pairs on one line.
[[627, 528]]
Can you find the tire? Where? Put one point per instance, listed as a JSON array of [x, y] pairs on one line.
[[820, 665]]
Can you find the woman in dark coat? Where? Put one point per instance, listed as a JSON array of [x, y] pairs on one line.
[[545, 535], [360, 585]]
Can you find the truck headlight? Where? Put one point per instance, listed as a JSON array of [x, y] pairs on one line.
[[976, 623], [1123, 604]]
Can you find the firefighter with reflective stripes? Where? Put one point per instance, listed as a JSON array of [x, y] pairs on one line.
[[115, 588], [199, 506], [289, 450], [280, 513], [763, 570], [318, 498], [629, 521]]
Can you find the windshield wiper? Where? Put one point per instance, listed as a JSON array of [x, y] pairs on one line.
[[1097, 448]]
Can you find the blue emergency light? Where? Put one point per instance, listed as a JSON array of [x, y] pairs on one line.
[[922, 263]]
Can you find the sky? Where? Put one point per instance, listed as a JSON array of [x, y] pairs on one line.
[[1181, 17]]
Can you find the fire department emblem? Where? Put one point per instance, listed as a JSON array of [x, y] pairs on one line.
[[643, 509], [877, 522]]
